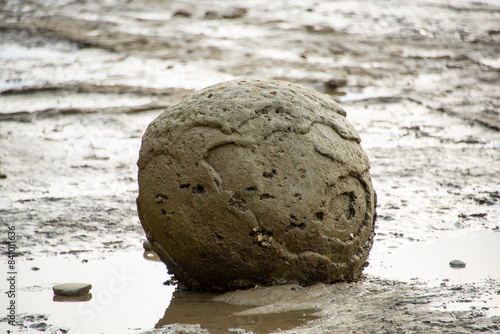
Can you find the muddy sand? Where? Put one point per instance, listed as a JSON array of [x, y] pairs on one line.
[[80, 81]]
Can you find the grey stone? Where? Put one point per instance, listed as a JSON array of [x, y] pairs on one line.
[[182, 13], [72, 289], [457, 264], [147, 245], [41, 326], [335, 83], [230, 13], [256, 182]]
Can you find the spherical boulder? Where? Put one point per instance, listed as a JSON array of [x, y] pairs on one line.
[[256, 182]]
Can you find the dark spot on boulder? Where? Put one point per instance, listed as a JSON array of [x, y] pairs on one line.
[[238, 203], [251, 189], [268, 173], [161, 198], [198, 189]]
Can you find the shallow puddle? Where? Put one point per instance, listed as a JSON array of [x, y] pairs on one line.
[[429, 263], [220, 317], [127, 292], [128, 296]]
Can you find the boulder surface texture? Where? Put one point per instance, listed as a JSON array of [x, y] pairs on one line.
[[256, 182]]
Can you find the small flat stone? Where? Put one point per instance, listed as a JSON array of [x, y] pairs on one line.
[[457, 264], [72, 289]]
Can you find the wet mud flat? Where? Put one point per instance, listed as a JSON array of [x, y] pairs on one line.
[[419, 80]]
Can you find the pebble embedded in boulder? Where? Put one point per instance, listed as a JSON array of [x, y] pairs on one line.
[[256, 182], [72, 289]]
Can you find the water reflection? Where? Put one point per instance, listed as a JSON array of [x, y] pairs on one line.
[[219, 317], [477, 252], [84, 298]]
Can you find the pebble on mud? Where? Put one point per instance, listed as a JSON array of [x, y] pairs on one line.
[[457, 264], [256, 182], [41, 326], [230, 13], [147, 245], [335, 83], [72, 289], [182, 13]]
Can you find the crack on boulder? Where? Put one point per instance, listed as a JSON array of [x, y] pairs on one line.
[[328, 155], [213, 173], [295, 224], [339, 125], [233, 141], [213, 123]]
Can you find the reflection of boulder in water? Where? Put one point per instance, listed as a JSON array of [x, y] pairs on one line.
[[218, 317], [256, 182]]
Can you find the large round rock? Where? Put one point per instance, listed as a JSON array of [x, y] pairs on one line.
[[256, 182]]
